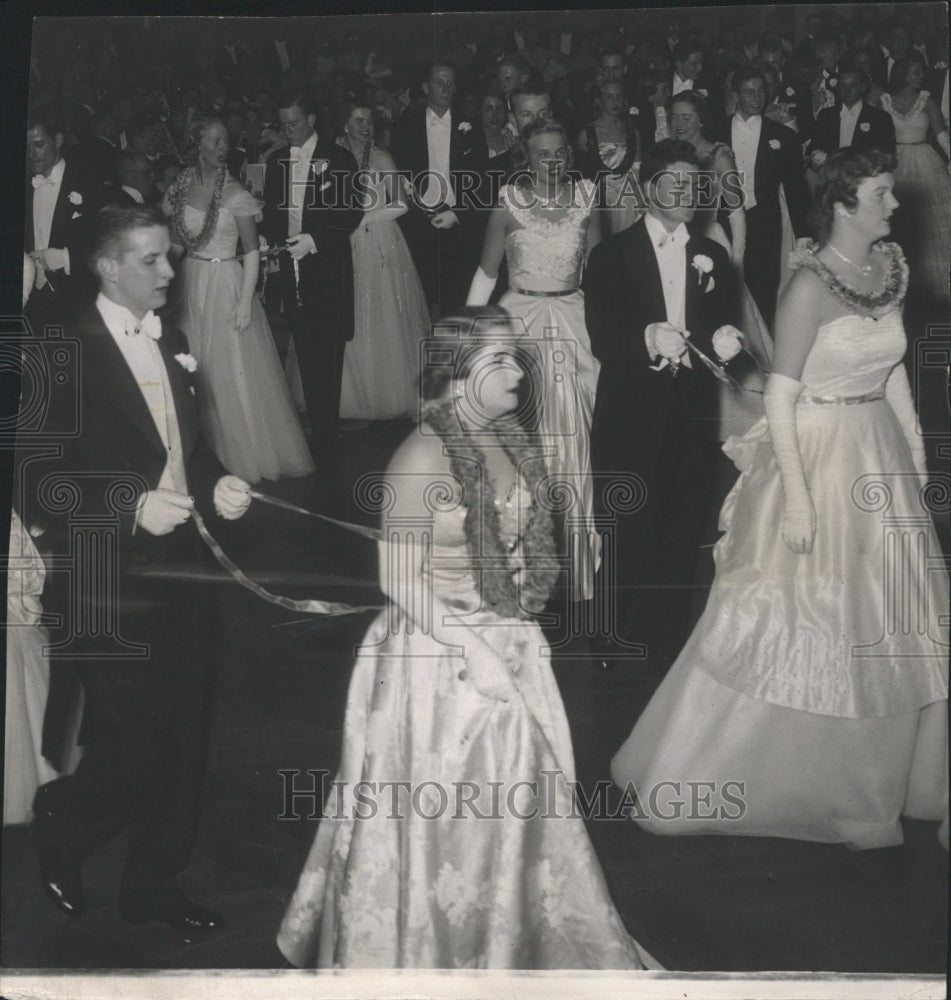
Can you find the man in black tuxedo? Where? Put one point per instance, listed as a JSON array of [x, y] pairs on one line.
[[137, 464], [852, 122], [434, 148], [60, 199], [794, 94], [310, 206], [767, 155], [135, 178], [656, 410]]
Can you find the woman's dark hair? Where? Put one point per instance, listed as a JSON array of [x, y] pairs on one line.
[[695, 99], [541, 126], [899, 74], [839, 179], [464, 333], [345, 109], [197, 127]]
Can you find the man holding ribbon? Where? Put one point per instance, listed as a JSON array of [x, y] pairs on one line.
[[133, 625], [657, 301]]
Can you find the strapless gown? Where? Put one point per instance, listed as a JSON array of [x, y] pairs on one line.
[[812, 695], [446, 885], [248, 418], [546, 253]]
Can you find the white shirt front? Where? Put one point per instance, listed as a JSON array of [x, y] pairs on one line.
[[670, 250], [144, 358], [745, 140], [848, 119], [300, 167], [44, 205], [438, 186], [680, 85]]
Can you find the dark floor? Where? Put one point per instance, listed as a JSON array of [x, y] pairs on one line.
[[699, 903]]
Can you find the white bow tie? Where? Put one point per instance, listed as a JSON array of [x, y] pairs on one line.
[[150, 324], [38, 181], [436, 122], [677, 238]]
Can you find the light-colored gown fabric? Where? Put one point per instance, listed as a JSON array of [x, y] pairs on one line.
[[819, 681], [456, 891], [28, 679], [381, 363], [923, 190], [546, 250], [248, 418]]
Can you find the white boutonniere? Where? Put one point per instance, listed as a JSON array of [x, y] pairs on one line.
[[634, 111], [833, 82], [790, 92], [464, 127], [941, 65], [75, 198], [774, 143], [187, 362], [702, 264], [865, 126]]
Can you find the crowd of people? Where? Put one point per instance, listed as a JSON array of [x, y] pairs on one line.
[[582, 260]]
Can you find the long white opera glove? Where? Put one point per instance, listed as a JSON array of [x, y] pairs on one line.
[[898, 394], [942, 139], [481, 289], [799, 514]]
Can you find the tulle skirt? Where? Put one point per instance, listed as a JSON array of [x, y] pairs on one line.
[[248, 418]]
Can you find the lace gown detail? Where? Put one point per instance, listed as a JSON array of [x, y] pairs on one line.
[[426, 882], [923, 189], [546, 252], [804, 681], [381, 363], [248, 418]]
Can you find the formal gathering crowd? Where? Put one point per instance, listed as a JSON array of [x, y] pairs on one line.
[[585, 257]]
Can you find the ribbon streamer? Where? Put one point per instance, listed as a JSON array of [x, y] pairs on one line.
[[314, 607]]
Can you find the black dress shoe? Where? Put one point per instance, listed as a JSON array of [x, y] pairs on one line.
[[177, 911], [61, 879]]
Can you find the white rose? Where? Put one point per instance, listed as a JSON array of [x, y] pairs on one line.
[[790, 92], [465, 127], [727, 342], [187, 362], [702, 263], [865, 126], [75, 198], [774, 144], [633, 111]]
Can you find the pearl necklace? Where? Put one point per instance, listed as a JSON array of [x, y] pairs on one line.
[[863, 269]]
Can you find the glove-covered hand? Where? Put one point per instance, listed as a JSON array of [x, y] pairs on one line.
[[799, 521], [727, 342], [232, 497], [666, 340], [162, 511]]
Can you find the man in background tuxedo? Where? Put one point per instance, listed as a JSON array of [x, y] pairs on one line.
[[60, 199], [434, 148], [852, 122], [648, 289], [767, 156], [137, 461], [135, 178], [311, 207], [794, 94]]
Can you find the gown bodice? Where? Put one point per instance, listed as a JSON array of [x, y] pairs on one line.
[[911, 126], [548, 245], [224, 239]]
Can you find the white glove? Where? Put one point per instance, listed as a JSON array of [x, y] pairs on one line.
[[162, 511], [727, 343], [55, 259], [445, 220], [232, 497], [481, 289], [301, 245], [799, 515], [666, 340], [29, 276], [942, 139], [898, 394]]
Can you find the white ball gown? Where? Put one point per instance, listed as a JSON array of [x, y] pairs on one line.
[[248, 418], [923, 190], [454, 891], [817, 684], [390, 318], [545, 254]]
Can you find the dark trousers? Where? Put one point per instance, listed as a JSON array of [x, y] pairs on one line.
[[446, 259], [761, 261], [147, 724]]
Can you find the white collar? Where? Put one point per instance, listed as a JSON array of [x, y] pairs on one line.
[[57, 171], [658, 231], [307, 150], [444, 119], [750, 122], [115, 317], [134, 194]]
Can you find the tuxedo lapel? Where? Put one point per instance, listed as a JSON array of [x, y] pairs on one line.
[[64, 208], [695, 286], [103, 357], [182, 398]]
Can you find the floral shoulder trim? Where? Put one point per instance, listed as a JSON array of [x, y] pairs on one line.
[[891, 295], [496, 582]]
